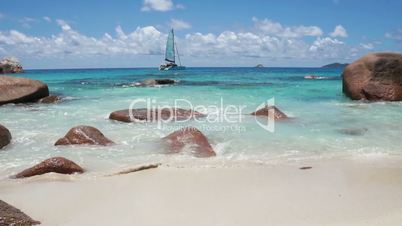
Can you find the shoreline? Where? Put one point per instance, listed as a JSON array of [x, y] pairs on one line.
[[361, 191]]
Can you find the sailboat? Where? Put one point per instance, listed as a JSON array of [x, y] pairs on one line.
[[170, 55]]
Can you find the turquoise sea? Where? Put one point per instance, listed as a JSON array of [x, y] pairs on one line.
[[325, 124]]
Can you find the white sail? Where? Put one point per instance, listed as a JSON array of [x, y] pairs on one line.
[[170, 50], [170, 55]]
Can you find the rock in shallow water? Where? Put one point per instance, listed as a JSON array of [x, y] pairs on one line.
[[145, 115], [21, 90], [9, 215], [190, 138], [376, 76], [55, 165], [353, 131], [154, 82], [84, 135], [267, 110], [5, 136], [49, 99]]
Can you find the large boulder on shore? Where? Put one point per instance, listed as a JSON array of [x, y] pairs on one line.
[[268, 110], [5, 136], [21, 90], [52, 165], [9, 215], [150, 115], [84, 135], [10, 65], [376, 76], [190, 139]]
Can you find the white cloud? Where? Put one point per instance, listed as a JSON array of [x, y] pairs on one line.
[[47, 19], [145, 40], [277, 43], [14, 37], [328, 48], [368, 46], [63, 24], [179, 24], [159, 5], [274, 28], [244, 44], [339, 31], [248, 44], [27, 22], [396, 35], [180, 6]]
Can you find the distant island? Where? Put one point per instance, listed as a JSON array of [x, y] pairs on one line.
[[259, 65], [335, 65]]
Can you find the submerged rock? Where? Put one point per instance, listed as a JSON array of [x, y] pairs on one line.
[[145, 115], [53, 165], [190, 138], [353, 131], [376, 76], [9, 215], [21, 90], [5, 136], [84, 135], [49, 99], [10, 65], [154, 82], [267, 110]]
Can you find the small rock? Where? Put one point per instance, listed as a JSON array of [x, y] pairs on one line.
[[190, 138], [154, 82], [49, 99], [5, 136], [278, 114], [55, 165], [145, 115], [9, 215], [84, 135], [353, 131]]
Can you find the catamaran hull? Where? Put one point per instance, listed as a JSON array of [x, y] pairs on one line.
[[171, 68]]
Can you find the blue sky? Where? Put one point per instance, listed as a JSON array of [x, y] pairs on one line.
[[132, 33]]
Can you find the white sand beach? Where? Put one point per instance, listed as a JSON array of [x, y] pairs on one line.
[[334, 192]]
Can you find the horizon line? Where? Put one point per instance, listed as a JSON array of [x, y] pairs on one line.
[[95, 68]]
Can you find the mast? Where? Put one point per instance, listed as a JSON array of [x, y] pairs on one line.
[[178, 55]]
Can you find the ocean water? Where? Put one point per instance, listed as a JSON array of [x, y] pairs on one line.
[[324, 123]]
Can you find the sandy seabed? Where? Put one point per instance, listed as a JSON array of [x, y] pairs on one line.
[[363, 191]]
